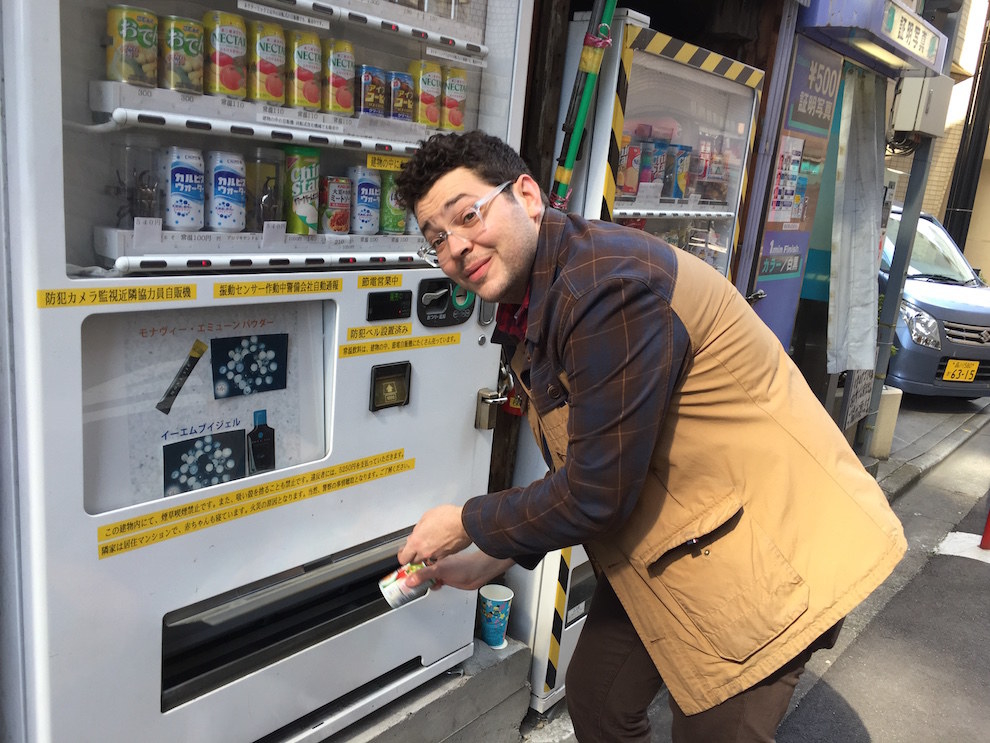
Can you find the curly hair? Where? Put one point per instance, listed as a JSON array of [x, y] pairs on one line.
[[488, 157]]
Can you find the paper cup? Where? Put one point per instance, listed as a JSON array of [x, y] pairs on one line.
[[494, 601]]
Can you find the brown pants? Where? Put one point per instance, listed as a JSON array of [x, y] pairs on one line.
[[611, 682]]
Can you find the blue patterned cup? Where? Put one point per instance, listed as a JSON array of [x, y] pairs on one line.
[[494, 601]]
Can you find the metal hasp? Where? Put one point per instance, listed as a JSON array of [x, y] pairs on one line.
[[488, 402]]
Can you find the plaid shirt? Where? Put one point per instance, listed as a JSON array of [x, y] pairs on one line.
[[598, 313]]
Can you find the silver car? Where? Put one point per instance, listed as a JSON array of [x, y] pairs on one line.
[[942, 339]]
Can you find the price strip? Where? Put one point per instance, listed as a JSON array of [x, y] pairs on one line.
[[451, 56], [386, 162], [286, 15]]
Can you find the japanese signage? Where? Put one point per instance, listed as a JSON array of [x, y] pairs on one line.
[[816, 74], [908, 32]]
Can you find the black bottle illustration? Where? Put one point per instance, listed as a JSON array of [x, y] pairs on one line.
[[261, 444]]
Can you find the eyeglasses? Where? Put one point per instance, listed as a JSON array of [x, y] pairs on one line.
[[467, 225]]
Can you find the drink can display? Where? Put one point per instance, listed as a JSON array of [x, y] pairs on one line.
[[659, 160], [225, 194], [396, 592], [305, 66], [338, 76], [302, 190], [335, 204], [225, 55], [400, 86], [263, 171], [180, 54], [393, 214], [132, 51], [620, 175], [266, 62], [454, 95], [182, 179], [366, 190], [372, 90], [630, 181], [427, 80]]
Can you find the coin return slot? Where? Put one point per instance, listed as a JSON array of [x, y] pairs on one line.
[[219, 640]]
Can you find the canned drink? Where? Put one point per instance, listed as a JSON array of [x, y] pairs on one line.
[[646, 162], [132, 51], [266, 62], [400, 87], [427, 80], [225, 55], [630, 181], [371, 96], [225, 194], [620, 175], [182, 179], [396, 592], [366, 191], [180, 54], [263, 172], [393, 214], [338, 77], [302, 190], [335, 204], [305, 62], [454, 95]]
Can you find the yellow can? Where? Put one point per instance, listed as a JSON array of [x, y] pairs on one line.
[[132, 51], [266, 62], [305, 64], [225, 55], [427, 92], [454, 95], [180, 54], [338, 77]]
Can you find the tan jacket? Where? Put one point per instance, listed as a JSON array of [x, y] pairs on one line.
[[758, 528]]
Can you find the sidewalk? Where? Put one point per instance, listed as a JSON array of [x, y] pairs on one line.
[[866, 687]]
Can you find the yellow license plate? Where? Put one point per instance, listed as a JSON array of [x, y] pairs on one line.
[[960, 371]]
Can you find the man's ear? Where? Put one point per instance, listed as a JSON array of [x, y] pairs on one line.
[[530, 194]]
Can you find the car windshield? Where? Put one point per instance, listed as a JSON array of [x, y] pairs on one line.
[[934, 257]]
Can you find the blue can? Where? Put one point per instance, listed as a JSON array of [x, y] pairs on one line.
[[401, 96]]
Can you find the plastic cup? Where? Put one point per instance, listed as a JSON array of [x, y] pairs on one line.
[[494, 601]]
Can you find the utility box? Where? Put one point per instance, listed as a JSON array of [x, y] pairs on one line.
[[921, 104]]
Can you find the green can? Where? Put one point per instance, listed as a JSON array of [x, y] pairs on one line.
[[393, 214], [302, 190]]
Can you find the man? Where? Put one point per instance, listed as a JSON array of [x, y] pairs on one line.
[[731, 524]]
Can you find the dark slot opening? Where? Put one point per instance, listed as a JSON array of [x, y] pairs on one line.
[[219, 640]]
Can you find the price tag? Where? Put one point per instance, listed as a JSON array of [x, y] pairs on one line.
[[147, 232], [273, 235], [386, 162]]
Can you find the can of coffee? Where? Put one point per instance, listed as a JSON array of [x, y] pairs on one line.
[[182, 180], [393, 214], [225, 192], [366, 191], [335, 204], [396, 592]]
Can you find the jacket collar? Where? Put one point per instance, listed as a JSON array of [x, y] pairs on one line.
[[545, 268]]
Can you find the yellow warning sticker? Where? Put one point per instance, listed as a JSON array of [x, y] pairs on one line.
[[373, 332], [151, 528], [118, 295], [399, 344], [386, 162], [274, 288], [380, 281]]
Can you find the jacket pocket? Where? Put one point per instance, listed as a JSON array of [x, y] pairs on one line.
[[735, 586]]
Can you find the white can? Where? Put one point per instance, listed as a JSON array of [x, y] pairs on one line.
[[225, 192], [182, 179], [396, 592], [366, 200]]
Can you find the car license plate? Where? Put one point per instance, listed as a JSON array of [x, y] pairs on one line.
[[960, 371]]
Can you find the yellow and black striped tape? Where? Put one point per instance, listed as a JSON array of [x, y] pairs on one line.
[[638, 39], [559, 608]]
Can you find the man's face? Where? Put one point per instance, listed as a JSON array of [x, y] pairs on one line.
[[490, 249]]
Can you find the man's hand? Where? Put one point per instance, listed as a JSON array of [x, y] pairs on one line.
[[439, 533], [467, 570]]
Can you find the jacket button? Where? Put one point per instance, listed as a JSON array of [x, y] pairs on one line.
[[553, 391]]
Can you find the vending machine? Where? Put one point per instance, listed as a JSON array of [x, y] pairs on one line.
[[230, 384], [668, 138]]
